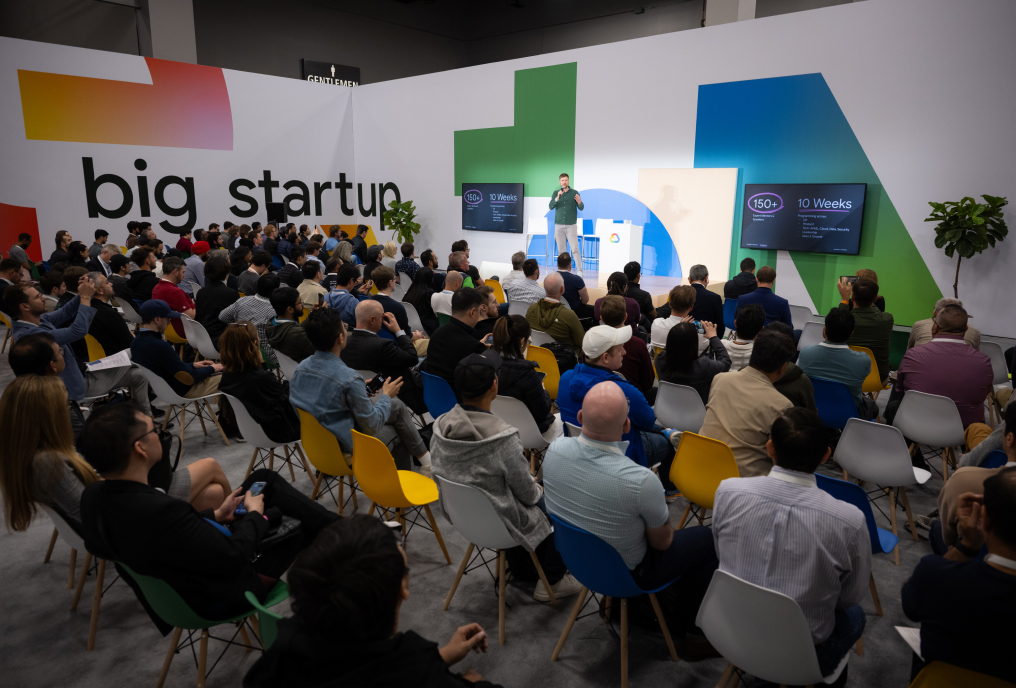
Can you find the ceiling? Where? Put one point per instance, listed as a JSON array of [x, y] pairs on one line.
[[468, 20]]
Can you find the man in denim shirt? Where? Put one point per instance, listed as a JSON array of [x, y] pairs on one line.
[[343, 297], [335, 394]]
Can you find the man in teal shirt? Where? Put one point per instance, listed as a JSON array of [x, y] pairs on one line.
[[833, 359], [565, 203]]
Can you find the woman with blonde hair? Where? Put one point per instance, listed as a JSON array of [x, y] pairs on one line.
[[389, 256], [345, 251]]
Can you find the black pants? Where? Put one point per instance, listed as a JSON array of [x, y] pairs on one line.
[[521, 563]]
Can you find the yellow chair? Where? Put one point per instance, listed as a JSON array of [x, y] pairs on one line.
[[699, 465], [241, 294], [325, 454], [123, 250], [173, 338], [389, 488], [304, 314], [872, 385], [545, 363], [942, 675], [7, 322], [498, 290], [656, 353], [95, 350]]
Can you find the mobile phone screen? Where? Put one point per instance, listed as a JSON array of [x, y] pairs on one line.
[[257, 488]]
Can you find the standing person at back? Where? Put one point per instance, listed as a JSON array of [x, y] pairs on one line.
[[575, 292], [775, 307], [708, 306], [872, 328], [832, 359], [359, 242], [748, 322], [743, 282], [551, 316]]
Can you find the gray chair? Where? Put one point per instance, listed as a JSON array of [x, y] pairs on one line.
[[286, 364], [931, 420], [679, 407], [1000, 371], [540, 338], [801, 315], [413, 316], [811, 335], [518, 308]]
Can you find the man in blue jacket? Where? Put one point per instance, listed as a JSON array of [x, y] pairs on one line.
[[603, 347], [150, 350], [776, 307]]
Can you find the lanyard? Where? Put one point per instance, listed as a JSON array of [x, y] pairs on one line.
[[1001, 561]]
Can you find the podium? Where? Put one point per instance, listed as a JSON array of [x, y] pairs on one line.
[[620, 243]]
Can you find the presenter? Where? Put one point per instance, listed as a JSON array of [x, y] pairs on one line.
[[565, 203]]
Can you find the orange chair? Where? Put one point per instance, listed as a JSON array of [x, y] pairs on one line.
[[95, 350], [498, 290], [325, 454], [545, 363], [872, 384], [942, 675], [699, 465]]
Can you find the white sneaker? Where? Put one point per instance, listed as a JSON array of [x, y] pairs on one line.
[[579, 272], [566, 587]]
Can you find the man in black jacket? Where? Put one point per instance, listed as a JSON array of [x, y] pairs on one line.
[[359, 243], [120, 267], [143, 280], [633, 271], [291, 273], [457, 338], [108, 327], [101, 262], [215, 297], [743, 283], [708, 306], [156, 535]]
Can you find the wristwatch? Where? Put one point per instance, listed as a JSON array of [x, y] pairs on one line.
[[966, 551]]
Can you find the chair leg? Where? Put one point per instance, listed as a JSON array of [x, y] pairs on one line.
[[289, 462], [437, 533], [203, 658], [215, 420], [201, 417], [70, 574], [317, 486], [250, 467], [845, 477], [701, 514], [874, 593], [93, 626], [500, 596], [606, 609], [543, 577], [684, 517], [458, 577], [169, 656], [400, 516], [571, 622], [182, 419], [352, 489], [81, 581], [663, 626], [49, 550], [860, 647], [165, 419], [910, 515], [342, 496], [245, 637], [303, 458], [945, 465], [271, 459], [725, 676], [892, 519], [624, 642]]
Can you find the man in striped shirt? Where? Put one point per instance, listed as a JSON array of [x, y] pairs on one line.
[[783, 533]]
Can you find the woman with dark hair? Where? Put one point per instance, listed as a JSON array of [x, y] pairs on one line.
[[617, 285], [681, 364], [518, 378], [239, 260], [78, 254], [419, 296]]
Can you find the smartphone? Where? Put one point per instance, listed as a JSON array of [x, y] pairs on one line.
[[255, 490], [850, 278], [374, 386], [320, 300], [489, 339], [698, 327]]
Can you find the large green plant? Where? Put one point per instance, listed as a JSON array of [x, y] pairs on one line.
[[399, 218], [967, 227]]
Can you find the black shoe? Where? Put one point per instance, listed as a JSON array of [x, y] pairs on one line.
[[158, 413]]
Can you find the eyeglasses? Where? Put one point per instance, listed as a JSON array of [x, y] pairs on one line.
[[153, 431]]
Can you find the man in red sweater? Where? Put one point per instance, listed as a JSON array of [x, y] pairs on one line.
[[168, 291]]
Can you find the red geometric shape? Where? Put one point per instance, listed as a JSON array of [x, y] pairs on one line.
[[14, 220]]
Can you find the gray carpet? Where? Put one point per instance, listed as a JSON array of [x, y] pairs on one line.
[[43, 644]]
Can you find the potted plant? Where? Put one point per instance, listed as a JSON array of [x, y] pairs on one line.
[[399, 218], [967, 227]]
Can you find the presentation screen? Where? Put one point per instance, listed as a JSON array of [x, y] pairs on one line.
[[819, 218], [493, 207]]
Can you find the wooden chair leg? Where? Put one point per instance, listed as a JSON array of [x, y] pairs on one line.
[[93, 626], [663, 626], [271, 459], [701, 514], [303, 458], [543, 577], [215, 420], [245, 637], [624, 642], [317, 486], [52, 544], [684, 517], [400, 516], [571, 622], [289, 462], [81, 581], [860, 647], [910, 515], [201, 416], [945, 465], [70, 574], [352, 490], [169, 657], [342, 496], [203, 658], [500, 596], [165, 419], [458, 576], [874, 593], [437, 533], [892, 519], [845, 477], [250, 467], [606, 609], [725, 676]]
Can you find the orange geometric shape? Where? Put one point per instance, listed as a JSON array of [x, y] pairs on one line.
[[15, 220], [185, 106]]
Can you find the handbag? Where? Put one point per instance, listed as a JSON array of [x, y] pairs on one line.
[[288, 529]]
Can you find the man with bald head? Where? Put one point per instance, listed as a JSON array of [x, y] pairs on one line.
[[442, 301], [553, 316], [920, 333], [590, 484]]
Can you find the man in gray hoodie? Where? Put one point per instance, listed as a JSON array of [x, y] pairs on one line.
[[471, 446]]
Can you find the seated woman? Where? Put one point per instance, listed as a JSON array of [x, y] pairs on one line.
[[681, 364], [419, 296], [518, 378], [244, 377], [617, 285], [345, 252]]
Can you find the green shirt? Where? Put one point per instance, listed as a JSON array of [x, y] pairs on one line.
[[565, 209], [873, 329]]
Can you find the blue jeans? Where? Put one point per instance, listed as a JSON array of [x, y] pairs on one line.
[[849, 626], [659, 450]]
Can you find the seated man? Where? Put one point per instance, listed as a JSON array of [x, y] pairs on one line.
[[310, 289], [637, 366], [344, 295], [101, 261], [366, 350], [194, 268], [527, 288], [775, 307], [257, 309], [963, 603], [71, 276], [334, 393], [708, 305], [143, 280], [473, 447], [832, 359], [552, 316], [518, 258], [168, 290], [748, 322], [356, 570], [459, 262], [407, 265], [384, 279], [441, 302], [120, 270], [247, 282], [794, 385], [743, 282], [52, 287], [215, 297], [150, 350], [457, 338], [783, 533], [603, 347], [743, 405], [291, 273], [681, 301], [286, 335], [872, 328], [575, 292], [633, 271], [590, 485], [131, 522], [108, 327], [921, 332]]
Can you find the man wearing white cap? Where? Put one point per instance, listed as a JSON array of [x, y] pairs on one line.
[[603, 347]]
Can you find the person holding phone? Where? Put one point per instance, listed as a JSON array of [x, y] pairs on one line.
[[565, 202]]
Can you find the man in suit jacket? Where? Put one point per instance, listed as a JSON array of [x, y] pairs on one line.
[[708, 306], [101, 262], [215, 297], [776, 308]]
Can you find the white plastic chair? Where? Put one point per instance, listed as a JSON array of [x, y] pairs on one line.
[[878, 454], [760, 632], [811, 335], [415, 324], [130, 313], [516, 414], [679, 407], [70, 535], [404, 280], [932, 420], [801, 315], [537, 227], [1000, 371], [398, 292], [195, 288], [539, 338], [198, 337], [572, 430], [179, 404], [518, 308], [264, 448], [286, 364], [472, 514]]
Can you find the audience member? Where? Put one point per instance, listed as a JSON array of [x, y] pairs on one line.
[[60, 255], [343, 297], [633, 271], [680, 363], [310, 289], [291, 273], [872, 328], [518, 377], [374, 255], [552, 316], [215, 297], [518, 258], [120, 266], [743, 405], [708, 305], [748, 322], [407, 265], [526, 288], [143, 280], [150, 350], [358, 243], [637, 365], [287, 240], [865, 273], [10, 273], [575, 292], [258, 310], [285, 334], [19, 251], [617, 285], [72, 276], [247, 281], [333, 238], [419, 296], [52, 287], [776, 307], [457, 338], [101, 261], [462, 246], [832, 359], [457, 262], [168, 290], [794, 385], [194, 268], [78, 254], [921, 332], [783, 533], [384, 281], [388, 254], [490, 311], [331, 273], [183, 244], [344, 252], [681, 300], [743, 282], [108, 327], [39, 354], [441, 303]]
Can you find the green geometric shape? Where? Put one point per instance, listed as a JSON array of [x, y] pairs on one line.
[[537, 148]]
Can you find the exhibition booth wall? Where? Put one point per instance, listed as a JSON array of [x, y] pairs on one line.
[[911, 97]]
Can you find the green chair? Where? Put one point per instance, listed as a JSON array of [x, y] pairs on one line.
[[443, 318], [268, 621], [172, 609]]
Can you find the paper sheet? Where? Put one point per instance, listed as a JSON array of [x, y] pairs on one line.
[[913, 638], [120, 359]]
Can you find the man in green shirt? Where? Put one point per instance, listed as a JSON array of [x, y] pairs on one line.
[[565, 203], [872, 328]]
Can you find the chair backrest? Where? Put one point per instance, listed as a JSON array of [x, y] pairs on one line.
[[68, 533], [167, 603], [287, 364], [375, 471], [999, 369], [199, 338], [472, 514], [572, 430], [249, 428], [699, 466], [498, 290], [413, 316], [195, 288], [518, 308], [872, 383], [875, 453], [367, 375], [593, 561], [398, 291], [930, 419], [679, 407], [173, 338], [942, 675], [760, 631], [321, 446], [852, 493], [130, 312], [161, 387], [437, 395], [834, 402], [285, 261], [811, 334], [545, 363], [541, 338], [95, 350], [800, 315], [729, 311], [996, 459], [515, 413]]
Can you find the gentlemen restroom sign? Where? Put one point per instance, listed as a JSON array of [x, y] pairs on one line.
[[329, 73]]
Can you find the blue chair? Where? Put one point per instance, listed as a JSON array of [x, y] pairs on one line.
[[729, 311], [835, 403], [601, 570], [882, 541], [437, 395], [996, 459]]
